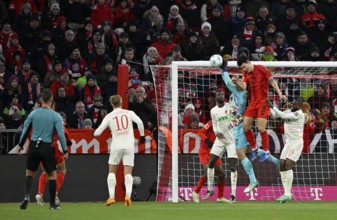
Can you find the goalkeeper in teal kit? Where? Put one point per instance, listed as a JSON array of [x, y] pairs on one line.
[[237, 106]]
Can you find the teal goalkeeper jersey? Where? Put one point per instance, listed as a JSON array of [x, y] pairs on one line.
[[237, 100]]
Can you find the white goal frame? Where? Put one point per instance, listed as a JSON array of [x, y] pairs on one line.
[[176, 64]]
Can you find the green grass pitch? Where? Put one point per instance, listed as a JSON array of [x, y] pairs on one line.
[[168, 211]]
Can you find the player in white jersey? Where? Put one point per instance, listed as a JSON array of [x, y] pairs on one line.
[[119, 121], [294, 121], [224, 142]]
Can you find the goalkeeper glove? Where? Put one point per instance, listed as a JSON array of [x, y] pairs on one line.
[[142, 139], [209, 143], [224, 64]]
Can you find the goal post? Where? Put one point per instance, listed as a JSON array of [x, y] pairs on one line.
[[168, 76]]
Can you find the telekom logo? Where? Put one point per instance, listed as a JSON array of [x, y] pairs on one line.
[[316, 193], [252, 194]]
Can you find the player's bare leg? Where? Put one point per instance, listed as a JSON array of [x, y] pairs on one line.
[[201, 182], [287, 176], [43, 179], [128, 182], [210, 176], [261, 126], [248, 167], [111, 184], [221, 183], [61, 172], [234, 177], [247, 128]]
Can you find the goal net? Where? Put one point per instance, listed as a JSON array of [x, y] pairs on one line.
[[179, 169]]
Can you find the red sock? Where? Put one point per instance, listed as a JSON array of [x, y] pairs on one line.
[[250, 138], [221, 189], [201, 182], [265, 141], [59, 180], [42, 183]]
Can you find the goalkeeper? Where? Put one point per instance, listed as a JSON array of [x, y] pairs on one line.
[[237, 105], [293, 131]]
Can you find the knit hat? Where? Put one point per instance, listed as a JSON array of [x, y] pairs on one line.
[[174, 6], [152, 48], [189, 106], [250, 20], [271, 26], [312, 2], [13, 77], [206, 24], [91, 76], [280, 34], [100, 46], [290, 49]]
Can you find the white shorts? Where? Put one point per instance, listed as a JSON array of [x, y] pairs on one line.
[[219, 147], [127, 156], [292, 151]]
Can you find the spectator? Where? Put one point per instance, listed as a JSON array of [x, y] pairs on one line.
[[47, 63], [190, 11], [67, 45], [89, 46], [268, 54], [252, 7], [333, 53], [180, 34], [231, 50], [77, 118], [193, 122], [84, 34], [175, 56], [142, 106], [206, 10], [300, 7], [328, 8], [315, 54], [152, 57], [199, 110], [184, 116], [123, 13], [89, 91], [117, 52], [63, 102], [135, 39], [290, 55], [248, 32], [58, 33], [53, 75], [278, 9], [140, 8], [327, 113], [31, 91], [135, 70], [150, 18], [303, 46], [219, 25], [75, 63], [290, 17], [238, 21], [102, 77], [173, 18], [30, 34], [153, 34], [24, 72], [320, 96], [257, 46], [14, 108], [87, 124], [193, 49], [22, 20], [76, 12], [11, 47], [98, 58], [311, 17], [263, 18], [109, 37], [164, 45], [6, 30], [50, 19], [209, 40], [96, 109], [100, 13], [64, 81], [328, 45]]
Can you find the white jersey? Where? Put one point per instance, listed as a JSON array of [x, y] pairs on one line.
[[119, 121], [293, 124], [221, 122]]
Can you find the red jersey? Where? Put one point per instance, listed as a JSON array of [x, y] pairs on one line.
[[258, 82], [206, 132]]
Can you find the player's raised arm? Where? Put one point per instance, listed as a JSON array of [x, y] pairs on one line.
[[274, 84]]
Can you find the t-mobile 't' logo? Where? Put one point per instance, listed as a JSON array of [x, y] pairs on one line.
[[316, 193], [252, 194]]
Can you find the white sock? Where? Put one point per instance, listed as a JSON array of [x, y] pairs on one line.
[[111, 184], [210, 178], [128, 182], [287, 181], [234, 180]]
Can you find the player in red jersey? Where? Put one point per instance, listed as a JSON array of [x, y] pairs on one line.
[[61, 168], [207, 136], [257, 79]]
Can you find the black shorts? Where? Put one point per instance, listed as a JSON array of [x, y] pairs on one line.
[[43, 152]]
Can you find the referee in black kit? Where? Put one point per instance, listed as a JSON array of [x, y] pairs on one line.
[[43, 122]]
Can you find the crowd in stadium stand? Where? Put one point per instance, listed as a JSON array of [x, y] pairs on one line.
[[74, 47]]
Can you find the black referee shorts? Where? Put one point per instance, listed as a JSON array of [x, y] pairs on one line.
[[42, 152]]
